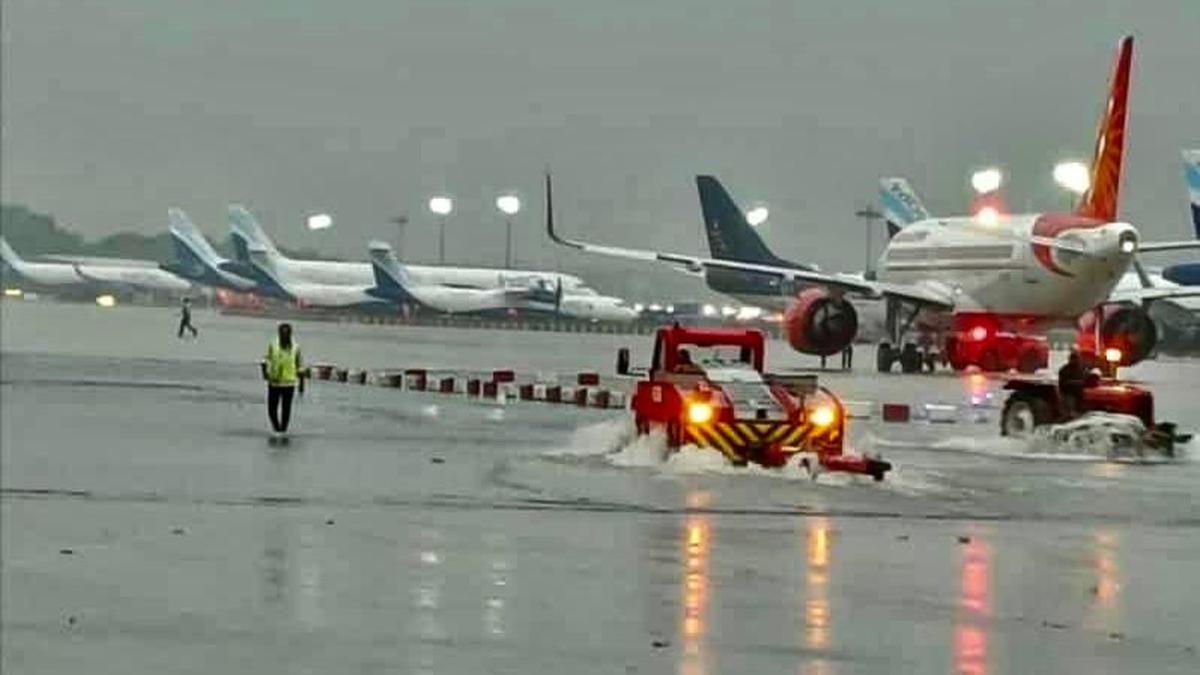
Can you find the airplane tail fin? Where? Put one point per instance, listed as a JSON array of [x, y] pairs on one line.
[[730, 236], [9, 256], [900, 203], [391, 277], [1102, 197], [1191, 173], [244, 227], [189, 240]]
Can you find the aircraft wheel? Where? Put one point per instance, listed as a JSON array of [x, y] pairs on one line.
[[910, 359]]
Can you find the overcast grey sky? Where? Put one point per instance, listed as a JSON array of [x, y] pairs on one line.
[[114, 110]]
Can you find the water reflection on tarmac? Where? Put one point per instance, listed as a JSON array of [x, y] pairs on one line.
[[148, 527]]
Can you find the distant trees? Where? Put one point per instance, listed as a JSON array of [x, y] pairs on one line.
[[32, 234]]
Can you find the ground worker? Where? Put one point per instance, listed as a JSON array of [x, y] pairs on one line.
[[1071, 379], [185, 318], [283, 372]]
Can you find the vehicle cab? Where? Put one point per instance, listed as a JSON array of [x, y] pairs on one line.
[[706, 387]]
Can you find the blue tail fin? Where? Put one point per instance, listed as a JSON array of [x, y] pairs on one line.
[[1191, 173], [730, 236], [900, 203], [391, 278]]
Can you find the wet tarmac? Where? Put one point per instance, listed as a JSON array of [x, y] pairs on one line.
[[148, 526]]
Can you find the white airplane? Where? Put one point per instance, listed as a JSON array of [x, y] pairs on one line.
[[1019, 269], [122, 276], [394, 283], [543, 292], [196, 259], [245, 232], [274, 280], [40, 273]]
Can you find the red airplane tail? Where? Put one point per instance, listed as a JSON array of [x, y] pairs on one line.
[[1101, 199]]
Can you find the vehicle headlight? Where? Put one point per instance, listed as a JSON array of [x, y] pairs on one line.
[[699, 412], [1113, 355], [823, 415]]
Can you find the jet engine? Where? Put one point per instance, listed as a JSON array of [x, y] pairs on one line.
[[1118, 334], [819, 323]]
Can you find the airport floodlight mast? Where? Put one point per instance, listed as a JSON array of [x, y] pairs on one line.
[[509, 205], [757, 215], [870, 216], [1074, 177], [985, 181], [442, 207], [400, 221]]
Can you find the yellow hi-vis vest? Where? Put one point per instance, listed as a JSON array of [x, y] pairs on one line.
[[281, 364]]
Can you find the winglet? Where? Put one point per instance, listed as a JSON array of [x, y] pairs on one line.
[[1102, 197]]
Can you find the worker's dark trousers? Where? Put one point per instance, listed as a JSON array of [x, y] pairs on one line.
[[186, 324], [281, 398]]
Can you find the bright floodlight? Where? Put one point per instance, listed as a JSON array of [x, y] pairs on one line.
[[757, 215], [441, 205], [509, 204], [1073, 176], [987, 180], [988, 215], [319, 221]]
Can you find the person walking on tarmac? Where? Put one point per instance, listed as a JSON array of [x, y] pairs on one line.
[[185, 318], [283, 372]]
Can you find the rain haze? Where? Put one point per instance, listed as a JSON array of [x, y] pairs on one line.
[[114, 111], [673, 431]]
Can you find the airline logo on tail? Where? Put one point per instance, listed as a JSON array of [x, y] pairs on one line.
[[900, 203], [1191, 174], [1101, 199]]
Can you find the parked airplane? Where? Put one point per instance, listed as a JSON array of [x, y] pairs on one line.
[[395, 284], [196, 259], [275, 281], [542, 292], [1010, 273], [39, 273], [95, 273]]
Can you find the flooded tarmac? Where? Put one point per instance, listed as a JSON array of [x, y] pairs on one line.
[[148, 526]]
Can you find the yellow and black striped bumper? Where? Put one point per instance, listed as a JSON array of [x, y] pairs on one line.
[[738, 439]]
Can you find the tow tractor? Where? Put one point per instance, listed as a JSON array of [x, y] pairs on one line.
[[706, 387], [1038, 403]]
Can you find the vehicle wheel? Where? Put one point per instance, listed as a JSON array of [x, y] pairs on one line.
[[931, 361], [989, 362], [1027, 362], [884, 357], [910, 359], [1022, 414]]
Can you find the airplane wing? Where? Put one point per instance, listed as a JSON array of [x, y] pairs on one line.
[[1154, 246], [929, 297]]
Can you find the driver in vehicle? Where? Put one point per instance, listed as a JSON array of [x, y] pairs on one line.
[[685, 365]]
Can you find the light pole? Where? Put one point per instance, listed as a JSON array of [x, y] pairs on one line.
[[400, 221], [869, 216], [509, 205], [1074, 177], [757, 216], [442, 206]]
